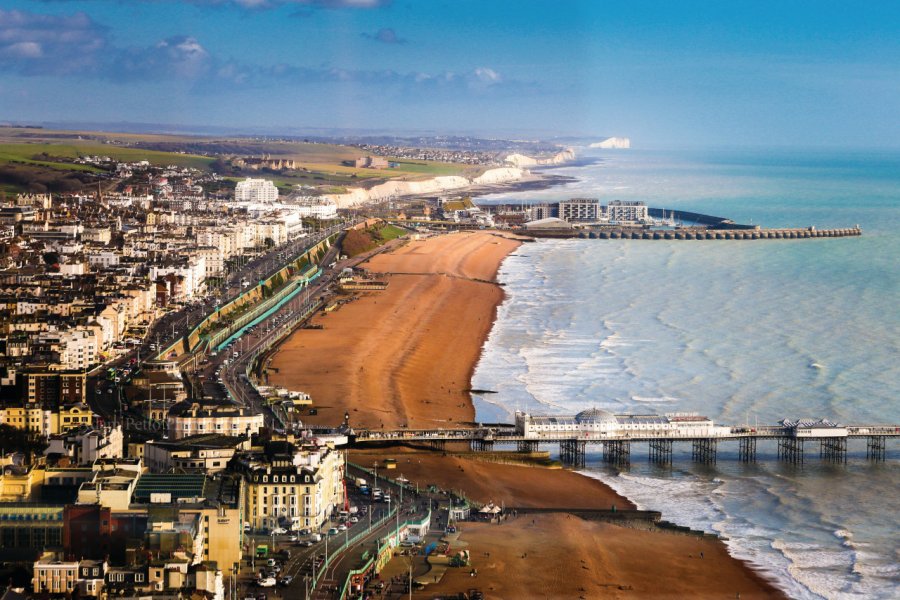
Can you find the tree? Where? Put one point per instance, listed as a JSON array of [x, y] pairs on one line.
[[19, 440]]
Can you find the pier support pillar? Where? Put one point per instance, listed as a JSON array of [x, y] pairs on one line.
[[661, 451], [527, 446], [747, 449], [571, 452], [790, 449], [833, 449], [617, 452], [438, 444], [481, 445], [704, 450], [875, 447]]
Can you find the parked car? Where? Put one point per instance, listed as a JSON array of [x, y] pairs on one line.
[[267, 582], [279, 531]]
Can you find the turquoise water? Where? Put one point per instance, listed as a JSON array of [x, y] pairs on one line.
[[741, 331]]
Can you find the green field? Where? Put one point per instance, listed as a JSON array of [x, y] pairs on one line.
[[25, 153], [427, 167], [320, 165]]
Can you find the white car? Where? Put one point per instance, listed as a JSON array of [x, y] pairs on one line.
[[267, 582], [279, 531]]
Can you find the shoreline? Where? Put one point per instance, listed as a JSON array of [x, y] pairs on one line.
[[425, 283]]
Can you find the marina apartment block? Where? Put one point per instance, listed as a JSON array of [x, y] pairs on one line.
[[589, 210]]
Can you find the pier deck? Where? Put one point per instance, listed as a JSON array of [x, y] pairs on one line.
[[791, 441]]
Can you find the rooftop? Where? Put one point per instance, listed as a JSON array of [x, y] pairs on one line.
[[180, 485]]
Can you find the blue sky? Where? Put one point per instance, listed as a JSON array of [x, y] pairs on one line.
[[664, 73]]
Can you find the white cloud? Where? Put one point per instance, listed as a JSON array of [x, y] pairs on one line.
[[487, 75], [25, 50], [35, 44]]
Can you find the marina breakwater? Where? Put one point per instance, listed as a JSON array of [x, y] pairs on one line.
[[703, 227], [608, 233]]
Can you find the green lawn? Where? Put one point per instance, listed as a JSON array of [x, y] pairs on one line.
[[390, 232]]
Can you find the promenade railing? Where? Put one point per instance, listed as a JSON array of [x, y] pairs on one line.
[[349, 541], [379, 544]]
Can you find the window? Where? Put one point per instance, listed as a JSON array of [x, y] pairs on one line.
[[138, 577]]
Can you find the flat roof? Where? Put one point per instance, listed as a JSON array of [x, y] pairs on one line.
[[180, 485]]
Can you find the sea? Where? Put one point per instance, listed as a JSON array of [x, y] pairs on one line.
[[744, 332]]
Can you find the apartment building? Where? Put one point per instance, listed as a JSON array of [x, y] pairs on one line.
[[580, 210], [621, 211], [255, 190], [192, 418], [292, 487]]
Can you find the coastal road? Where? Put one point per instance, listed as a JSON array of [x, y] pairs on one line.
[[175, 324], [219, 379]]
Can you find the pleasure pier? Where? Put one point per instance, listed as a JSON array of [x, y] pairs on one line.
[[617, 433]]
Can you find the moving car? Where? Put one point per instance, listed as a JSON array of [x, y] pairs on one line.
[[267, 582]]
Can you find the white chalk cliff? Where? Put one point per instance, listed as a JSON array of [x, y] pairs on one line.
[[613, 142], [522, 161], [393, 189]]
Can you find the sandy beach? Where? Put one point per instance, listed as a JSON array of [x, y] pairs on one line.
[[556, 555], [405, 356], [502, 484]]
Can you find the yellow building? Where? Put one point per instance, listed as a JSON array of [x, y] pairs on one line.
[[293, 489], [29, 418], [70, 417], [21, 483]]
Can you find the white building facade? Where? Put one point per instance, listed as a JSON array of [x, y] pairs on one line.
[[255, 190]]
